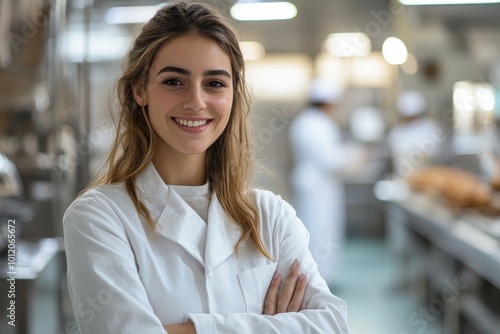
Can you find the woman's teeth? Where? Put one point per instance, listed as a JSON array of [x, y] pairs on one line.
[[190, 124]]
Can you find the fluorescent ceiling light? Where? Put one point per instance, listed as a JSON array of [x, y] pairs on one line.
[[131, 14], [445, 2], [356, 44], [261, 11]]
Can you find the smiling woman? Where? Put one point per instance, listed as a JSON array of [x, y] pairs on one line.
[[171, 230], [189, 101]]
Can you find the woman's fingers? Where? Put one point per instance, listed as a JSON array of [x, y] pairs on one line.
[[289, 288], [291, 296], [297, 302], [271, 301]]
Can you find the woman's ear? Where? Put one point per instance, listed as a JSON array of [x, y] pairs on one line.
[[139, 95]]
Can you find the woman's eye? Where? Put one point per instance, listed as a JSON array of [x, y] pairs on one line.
[[216, 84], [171, 82]]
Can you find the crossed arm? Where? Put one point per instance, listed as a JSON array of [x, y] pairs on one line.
[[289, 299]]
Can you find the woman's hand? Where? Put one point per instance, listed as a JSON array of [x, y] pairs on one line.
[[291, 298], [184, 328]]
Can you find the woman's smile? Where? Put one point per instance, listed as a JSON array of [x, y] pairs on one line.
[[192, 125]]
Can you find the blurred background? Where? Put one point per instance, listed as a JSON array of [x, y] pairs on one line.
[[417, 241]]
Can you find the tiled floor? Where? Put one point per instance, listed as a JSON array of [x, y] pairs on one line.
[[378, 300]]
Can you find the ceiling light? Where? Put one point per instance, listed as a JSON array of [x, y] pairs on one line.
[[394, 51], [261, 11], [355, 44], [445, 2], [131, 14]]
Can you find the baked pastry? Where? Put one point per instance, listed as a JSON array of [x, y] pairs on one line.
[[460, 188]]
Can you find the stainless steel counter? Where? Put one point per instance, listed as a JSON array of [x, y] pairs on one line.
[[457, 235], [453, 248]]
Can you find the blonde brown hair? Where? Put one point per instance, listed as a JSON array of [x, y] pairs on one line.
[[228, 159]]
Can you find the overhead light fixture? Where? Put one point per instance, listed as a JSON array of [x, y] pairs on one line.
[[355, 44], [262, 11], [252, 50], [446, 2], [394, 51], [131, 14]]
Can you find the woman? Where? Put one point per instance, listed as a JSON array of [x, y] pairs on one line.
[[171, 237]]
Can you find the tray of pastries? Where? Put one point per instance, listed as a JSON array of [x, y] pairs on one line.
[[471, 199]]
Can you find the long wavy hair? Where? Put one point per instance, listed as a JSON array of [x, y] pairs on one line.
[[228, 159]]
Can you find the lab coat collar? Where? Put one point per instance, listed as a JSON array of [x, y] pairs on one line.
[[174, 218], [177, 221], [222, 235]]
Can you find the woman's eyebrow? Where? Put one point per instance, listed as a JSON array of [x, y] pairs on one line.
[[217, 72], [174, 69], [187, 72]]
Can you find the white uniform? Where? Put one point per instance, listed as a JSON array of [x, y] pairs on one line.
[[317, 186], [125, 279]]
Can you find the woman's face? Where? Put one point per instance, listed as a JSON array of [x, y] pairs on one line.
[[189, 95]]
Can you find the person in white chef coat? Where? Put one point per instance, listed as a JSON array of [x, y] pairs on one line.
[[171, 237], [417, 138], [320, 158]]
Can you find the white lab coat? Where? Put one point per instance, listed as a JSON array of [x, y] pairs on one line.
[[318, 191], [125, 279]]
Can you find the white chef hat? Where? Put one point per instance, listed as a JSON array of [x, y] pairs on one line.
[[411, 103], [325, 91]]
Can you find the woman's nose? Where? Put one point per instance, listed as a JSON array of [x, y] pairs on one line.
[[195, 99]]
